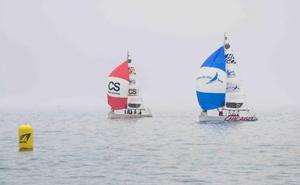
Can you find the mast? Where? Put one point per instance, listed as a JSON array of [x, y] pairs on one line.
[[128, 57]]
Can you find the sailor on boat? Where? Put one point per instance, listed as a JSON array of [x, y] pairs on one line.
[[220, 112]]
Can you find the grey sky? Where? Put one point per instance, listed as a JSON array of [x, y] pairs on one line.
[[59, 52]]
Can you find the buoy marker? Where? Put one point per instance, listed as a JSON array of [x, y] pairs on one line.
[[25, 138]]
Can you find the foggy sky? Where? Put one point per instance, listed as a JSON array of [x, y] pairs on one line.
[[59, 52]]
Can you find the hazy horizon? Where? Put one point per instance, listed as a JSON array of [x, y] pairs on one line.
[[59, 53]]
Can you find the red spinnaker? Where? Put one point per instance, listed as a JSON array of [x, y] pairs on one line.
[[116, 99], [121, 71], [117, 103]]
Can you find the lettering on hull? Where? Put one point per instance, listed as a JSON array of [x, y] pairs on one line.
[[238, 118]]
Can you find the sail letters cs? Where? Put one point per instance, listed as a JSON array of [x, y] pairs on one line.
[[114, 86], [132, 92]]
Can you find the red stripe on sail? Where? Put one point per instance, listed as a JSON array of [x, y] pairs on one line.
[[117, 103], [121, 71]]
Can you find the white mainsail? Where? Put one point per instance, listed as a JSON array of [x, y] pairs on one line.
[[134, 99], [235, 97]]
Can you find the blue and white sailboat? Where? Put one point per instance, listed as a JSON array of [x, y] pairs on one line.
[[219, 88]]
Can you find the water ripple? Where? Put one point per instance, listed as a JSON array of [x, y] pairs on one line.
[[82, 147]]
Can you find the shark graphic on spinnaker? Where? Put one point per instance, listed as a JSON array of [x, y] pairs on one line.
[[213, 79]]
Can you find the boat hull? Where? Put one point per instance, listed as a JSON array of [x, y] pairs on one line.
[[113, 115], [126, 116], [230, 118]]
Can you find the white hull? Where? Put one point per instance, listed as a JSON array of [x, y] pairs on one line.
[[230, 118], [144, 113]]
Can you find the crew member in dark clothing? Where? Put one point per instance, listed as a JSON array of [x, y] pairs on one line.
[[220, 112]]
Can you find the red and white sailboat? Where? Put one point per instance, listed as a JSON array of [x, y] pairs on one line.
[[123, 93]]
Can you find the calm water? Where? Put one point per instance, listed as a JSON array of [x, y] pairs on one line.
[[83, 147]]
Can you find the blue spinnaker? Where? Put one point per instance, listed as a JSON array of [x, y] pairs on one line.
[[211, 82]]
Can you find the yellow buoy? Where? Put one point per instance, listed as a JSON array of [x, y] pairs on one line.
[[25, 138]]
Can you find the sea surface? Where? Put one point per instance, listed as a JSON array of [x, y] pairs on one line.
[[83, 147]]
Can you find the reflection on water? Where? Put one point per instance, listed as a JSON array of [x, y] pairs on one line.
[[83, 147]]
